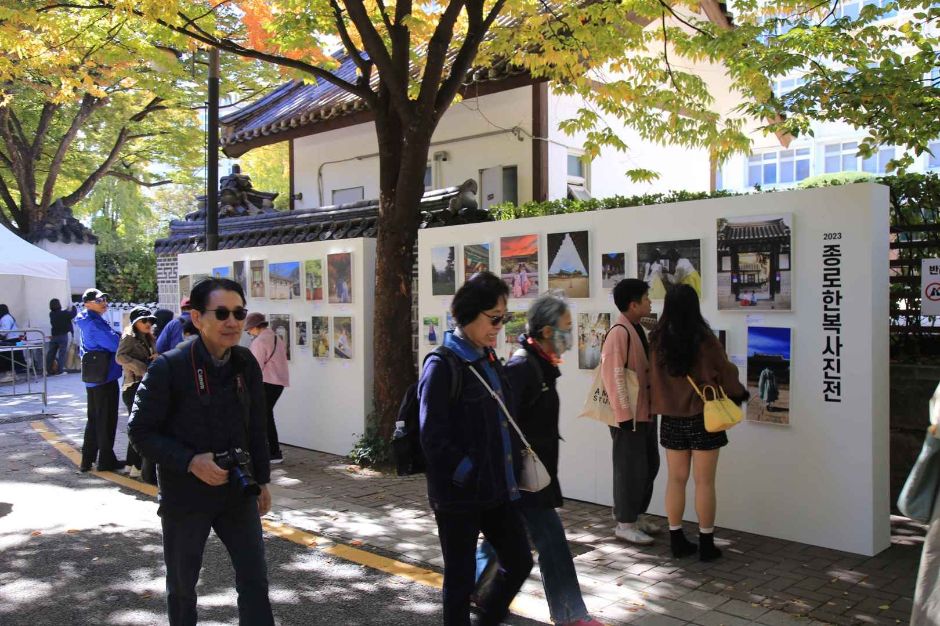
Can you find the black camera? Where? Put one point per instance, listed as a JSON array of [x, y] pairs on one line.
[[238, 464]]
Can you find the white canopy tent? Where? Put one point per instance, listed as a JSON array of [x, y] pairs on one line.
[[29, 278]]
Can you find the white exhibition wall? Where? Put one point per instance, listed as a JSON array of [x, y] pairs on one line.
[[822, 479], [328, 399]]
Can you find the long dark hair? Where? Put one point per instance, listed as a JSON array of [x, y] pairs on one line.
[[680, 331], [55, 305], [5, 310]]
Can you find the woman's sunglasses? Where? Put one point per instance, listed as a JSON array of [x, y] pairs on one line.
[[496, 320], [222, 313]]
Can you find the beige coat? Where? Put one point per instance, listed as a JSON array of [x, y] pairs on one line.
[[926, 611], [134, 355], [613, 357]]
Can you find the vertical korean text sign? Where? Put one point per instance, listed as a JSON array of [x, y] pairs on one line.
[[930, 287]]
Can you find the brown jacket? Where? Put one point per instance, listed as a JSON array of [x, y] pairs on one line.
[[674, 396], [133, 354]]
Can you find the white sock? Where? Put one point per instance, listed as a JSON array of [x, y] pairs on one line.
[[626, 525], [671, 527], [706, 531]]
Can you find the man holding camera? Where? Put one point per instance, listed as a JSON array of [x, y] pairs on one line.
[[200, 415]]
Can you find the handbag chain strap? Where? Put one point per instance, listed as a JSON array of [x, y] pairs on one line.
[[502, 405]]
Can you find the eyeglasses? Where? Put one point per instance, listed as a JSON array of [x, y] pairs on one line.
[[101, 300], [222, 313], [497, 320]]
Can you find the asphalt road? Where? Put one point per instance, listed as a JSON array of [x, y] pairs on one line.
[[75, 549]]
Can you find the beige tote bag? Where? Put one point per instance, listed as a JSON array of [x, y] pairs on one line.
[[597, 403]]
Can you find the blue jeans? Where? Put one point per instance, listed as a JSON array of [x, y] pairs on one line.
[[57, 351], [555, 564]]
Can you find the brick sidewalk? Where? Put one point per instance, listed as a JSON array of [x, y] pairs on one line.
[[759, 580]]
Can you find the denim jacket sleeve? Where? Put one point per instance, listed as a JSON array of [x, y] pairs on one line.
[[443, 450], [98, 335], [150, 413]]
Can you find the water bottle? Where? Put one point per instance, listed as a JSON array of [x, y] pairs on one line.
[[401, 449]]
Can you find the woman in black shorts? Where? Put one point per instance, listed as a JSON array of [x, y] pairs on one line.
[[683, 344]]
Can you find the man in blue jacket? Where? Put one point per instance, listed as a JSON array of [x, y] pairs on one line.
[[103, 398], [173, 333]]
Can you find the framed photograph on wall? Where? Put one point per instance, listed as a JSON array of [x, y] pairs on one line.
[[443, 271], [300, 334], [280, 324], [613, 269], [256, 275], [320, 336], [313, 279], [342, 337], [592, 328], [476, 259], [222, 272], [240, 277], [519, 265], [339, 277], [186, 286], [755, 263], [568, 263], [511, 331], [768, 374], [663, 264], [432, 330], [198, 278], [284, 281]]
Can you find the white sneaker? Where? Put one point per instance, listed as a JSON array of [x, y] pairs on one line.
[[633, 535], [133, 472], [648, 525]]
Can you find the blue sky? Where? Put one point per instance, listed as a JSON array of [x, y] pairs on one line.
[[768, 341]]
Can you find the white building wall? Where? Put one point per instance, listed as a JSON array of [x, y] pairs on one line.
[[475, 134], [81, 258]]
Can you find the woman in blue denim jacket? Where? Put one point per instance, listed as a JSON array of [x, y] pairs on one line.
[[472, 455]]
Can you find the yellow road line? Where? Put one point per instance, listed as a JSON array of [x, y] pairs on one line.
[[283, 531], [520, 606]]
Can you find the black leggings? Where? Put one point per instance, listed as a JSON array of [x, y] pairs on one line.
[[271, 395]]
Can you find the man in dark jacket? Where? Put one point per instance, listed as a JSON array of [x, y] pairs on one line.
[[172, 334], [102, 398], [195, 403]]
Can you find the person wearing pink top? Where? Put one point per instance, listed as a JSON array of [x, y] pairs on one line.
[[635, 449], [271, 353]]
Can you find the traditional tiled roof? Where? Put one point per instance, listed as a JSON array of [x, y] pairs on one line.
[[444, 207], [60, 225], [766, 230], [302, 106]]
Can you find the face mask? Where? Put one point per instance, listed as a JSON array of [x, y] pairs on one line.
[[561, 340]]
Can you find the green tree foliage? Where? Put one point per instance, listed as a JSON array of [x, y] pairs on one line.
[[269, 168]]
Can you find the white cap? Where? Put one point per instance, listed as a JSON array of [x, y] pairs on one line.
[[399, 424]]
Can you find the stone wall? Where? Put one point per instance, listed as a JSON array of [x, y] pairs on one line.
[[168, 283], [911, 389]]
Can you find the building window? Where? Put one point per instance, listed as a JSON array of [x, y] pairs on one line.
[[578, 174], [852, 8], [781, 167], [843, 157], [348, 195], [498, 185], [933, 160], [428, 181], [786, 85]]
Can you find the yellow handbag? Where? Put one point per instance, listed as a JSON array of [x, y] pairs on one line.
[[721, 413]]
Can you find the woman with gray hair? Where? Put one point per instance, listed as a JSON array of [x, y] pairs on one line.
[[533, 372]]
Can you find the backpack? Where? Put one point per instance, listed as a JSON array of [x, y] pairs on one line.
[[539, 375], [406, 449]]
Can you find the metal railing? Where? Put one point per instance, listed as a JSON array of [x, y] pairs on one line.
[[33, 341]]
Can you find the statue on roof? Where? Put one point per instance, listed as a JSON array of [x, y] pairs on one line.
[[237, 198]]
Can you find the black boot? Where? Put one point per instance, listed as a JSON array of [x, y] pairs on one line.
[[681, 547], [706, 547]]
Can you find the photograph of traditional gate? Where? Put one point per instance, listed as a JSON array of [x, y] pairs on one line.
[[754, 262], [519, 265], [592, 328], [662, 264], [768, 374], [257, 279], [280, 324], [443, 271], [313, 279], [221, 272], [284, 281], [613, 269], [239, 275], [320, 336], [568, 263], [339, 277], [476, 259]]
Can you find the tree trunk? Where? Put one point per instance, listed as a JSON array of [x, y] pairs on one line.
[[401, 173]]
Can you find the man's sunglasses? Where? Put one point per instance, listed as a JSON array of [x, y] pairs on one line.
[[101, 300], [222, 313], [496, 320]]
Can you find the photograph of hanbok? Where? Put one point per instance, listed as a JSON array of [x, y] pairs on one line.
[[768, 374], [664, 264]]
